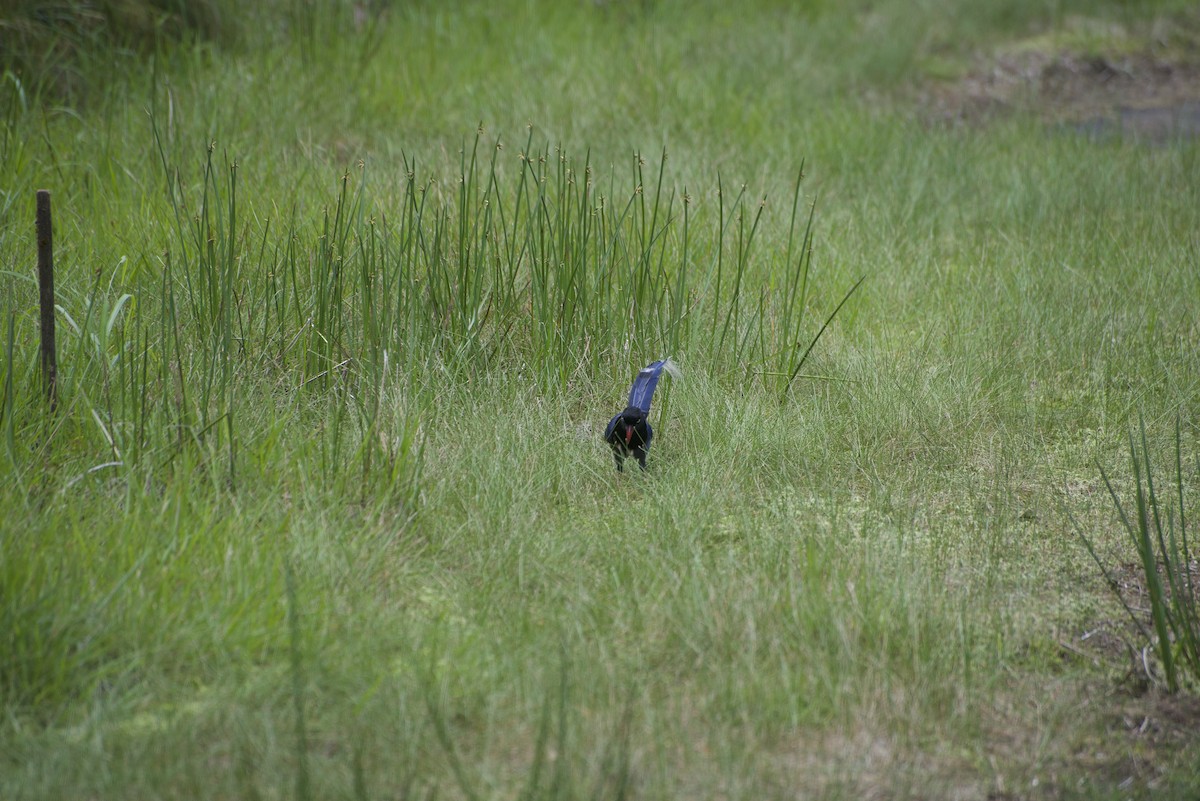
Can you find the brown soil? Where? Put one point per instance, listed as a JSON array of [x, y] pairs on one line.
[[1121, 641], [1153, 98]]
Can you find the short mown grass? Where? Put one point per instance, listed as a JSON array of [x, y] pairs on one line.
[[324, 511]]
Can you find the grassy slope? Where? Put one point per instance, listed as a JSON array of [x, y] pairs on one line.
[[833, 594]]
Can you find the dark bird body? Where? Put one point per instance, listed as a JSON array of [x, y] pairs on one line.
[[629, 433]]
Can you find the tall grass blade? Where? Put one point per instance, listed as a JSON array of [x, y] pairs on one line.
[[1162, 549], [1147, 506], [804, 357], [8, 410], [303, 786]]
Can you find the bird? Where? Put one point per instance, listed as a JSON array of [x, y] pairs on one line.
[[629, 432]]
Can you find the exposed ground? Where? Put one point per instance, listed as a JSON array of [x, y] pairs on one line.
[[1147, 95]]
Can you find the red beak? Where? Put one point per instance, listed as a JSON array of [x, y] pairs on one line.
[[628, 434]]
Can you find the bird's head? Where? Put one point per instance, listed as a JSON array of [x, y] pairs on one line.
[[630, 419]]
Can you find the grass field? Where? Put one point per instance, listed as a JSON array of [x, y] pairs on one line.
[[347, 294]]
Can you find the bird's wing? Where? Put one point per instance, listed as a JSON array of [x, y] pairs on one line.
[[612, 425]]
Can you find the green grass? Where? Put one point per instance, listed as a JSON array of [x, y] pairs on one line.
[[324, 510], [1160, 547]]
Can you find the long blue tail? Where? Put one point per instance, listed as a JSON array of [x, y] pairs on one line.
[[642, 391]]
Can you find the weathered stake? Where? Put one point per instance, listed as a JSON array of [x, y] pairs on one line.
[[46, 297]]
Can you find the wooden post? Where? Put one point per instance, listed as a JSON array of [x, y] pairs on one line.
[[46, 297]]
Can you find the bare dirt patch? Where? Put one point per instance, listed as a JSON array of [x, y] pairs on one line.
[[1041, 740], [1088, 739], [1124, 641], [1147, 736], [1149, 97]]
